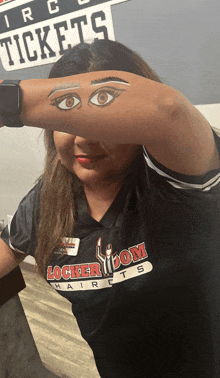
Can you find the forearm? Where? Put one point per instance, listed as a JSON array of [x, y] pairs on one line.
[[135, 105], [123, 108]]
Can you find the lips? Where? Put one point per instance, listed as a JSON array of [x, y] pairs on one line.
[[86, 159]]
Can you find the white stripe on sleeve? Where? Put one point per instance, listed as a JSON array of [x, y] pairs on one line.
[[182, 184], [9, 241]]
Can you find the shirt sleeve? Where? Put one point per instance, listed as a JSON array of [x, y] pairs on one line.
[[21, 232], [180, 181]]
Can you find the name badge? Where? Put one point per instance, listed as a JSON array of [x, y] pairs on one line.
[[71, 246]]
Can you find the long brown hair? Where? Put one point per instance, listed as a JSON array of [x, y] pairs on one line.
[[60, 187]]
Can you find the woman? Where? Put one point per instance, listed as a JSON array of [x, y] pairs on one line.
[[129, 234]]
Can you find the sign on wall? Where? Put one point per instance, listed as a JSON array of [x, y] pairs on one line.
[[37, 32]]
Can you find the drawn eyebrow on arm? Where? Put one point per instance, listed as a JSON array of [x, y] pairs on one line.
[[111, 79], [63, 87]]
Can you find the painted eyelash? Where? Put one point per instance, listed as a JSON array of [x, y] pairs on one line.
[[110, 89]]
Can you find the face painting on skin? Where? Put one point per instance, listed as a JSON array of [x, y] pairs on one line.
[[91, 161], [100, 97]]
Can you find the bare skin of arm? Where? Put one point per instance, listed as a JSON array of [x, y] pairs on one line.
[[120, 107]]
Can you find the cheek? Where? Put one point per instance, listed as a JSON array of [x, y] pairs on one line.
[[63, 143], [124, 154], [122, 157]]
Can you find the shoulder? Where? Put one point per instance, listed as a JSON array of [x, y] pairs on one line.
[[28, 207], [20, 233], [33, 193]]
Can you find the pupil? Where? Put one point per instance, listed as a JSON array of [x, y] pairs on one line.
[[69, 102], [102, 97]]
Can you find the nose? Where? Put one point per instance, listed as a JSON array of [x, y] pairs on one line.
[[80, 141]]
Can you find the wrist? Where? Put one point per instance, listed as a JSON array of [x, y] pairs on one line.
[[10, 103]]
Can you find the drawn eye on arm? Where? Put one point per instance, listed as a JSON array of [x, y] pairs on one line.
[[104, 96], [67, 101]]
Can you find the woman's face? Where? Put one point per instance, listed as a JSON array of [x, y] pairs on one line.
[[94, 162]]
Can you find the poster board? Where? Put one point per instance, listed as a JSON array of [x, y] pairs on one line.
[[34, 33]]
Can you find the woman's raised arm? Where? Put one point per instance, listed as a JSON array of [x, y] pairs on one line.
[[120, 107]]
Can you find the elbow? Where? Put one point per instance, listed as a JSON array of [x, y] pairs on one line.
[[174, 106]]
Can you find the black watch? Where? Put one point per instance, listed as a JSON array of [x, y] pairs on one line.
[[10, 103]]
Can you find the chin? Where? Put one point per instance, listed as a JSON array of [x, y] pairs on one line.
[[89, 176], [98, 174]]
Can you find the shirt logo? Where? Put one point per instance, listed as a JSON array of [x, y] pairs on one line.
[[112, 268], [70, 246]]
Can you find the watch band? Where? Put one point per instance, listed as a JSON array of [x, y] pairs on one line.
[[11, 81], [12, 119]]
